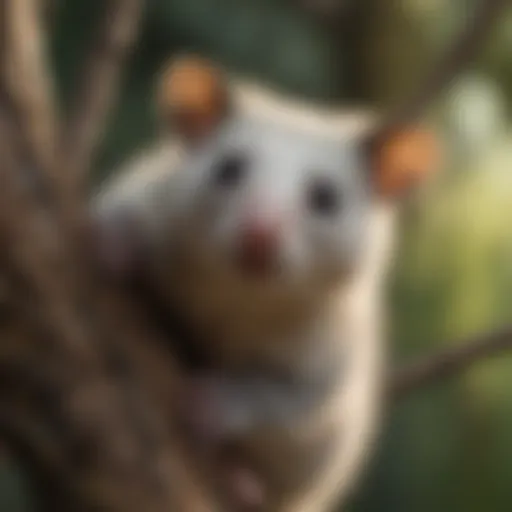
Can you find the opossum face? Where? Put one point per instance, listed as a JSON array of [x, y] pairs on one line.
[[269, 202]]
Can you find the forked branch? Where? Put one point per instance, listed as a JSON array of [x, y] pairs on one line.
[[66, 367], [98, 83]]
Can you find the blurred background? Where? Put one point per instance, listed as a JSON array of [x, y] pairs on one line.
[[445, 448]]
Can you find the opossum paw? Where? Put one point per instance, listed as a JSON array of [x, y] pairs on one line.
[[246, 489], [202, 411]]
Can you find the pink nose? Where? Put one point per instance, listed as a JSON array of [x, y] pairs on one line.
[[258, 246]]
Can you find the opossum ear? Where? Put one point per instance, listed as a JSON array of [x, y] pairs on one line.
[[403, 158], [193, 97]]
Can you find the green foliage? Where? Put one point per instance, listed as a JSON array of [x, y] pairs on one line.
[[453, 278], [269, 40]]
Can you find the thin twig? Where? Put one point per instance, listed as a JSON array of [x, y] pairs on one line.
[[26, 80], [98, 84], [463, 50], [48, 12], [449, 362]]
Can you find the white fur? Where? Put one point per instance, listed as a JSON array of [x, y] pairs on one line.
[[356, 309], [357, 407]]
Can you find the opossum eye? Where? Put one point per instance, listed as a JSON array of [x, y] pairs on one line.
[[230, 170], [323, 197]]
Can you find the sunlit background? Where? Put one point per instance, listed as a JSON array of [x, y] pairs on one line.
[[447, 448]]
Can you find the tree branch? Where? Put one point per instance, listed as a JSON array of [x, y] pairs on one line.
[[449, 362], [98, 83], [64, 366], [79, 397], [462, 51]]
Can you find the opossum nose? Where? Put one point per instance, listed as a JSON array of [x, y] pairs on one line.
[[258, 246]]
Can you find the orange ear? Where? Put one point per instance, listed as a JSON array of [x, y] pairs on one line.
[[193, 96], [403, 158]]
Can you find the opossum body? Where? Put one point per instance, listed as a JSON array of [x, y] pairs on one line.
[[269, 228]]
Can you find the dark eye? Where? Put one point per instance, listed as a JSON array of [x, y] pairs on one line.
[[323, 197], [230, 170]]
